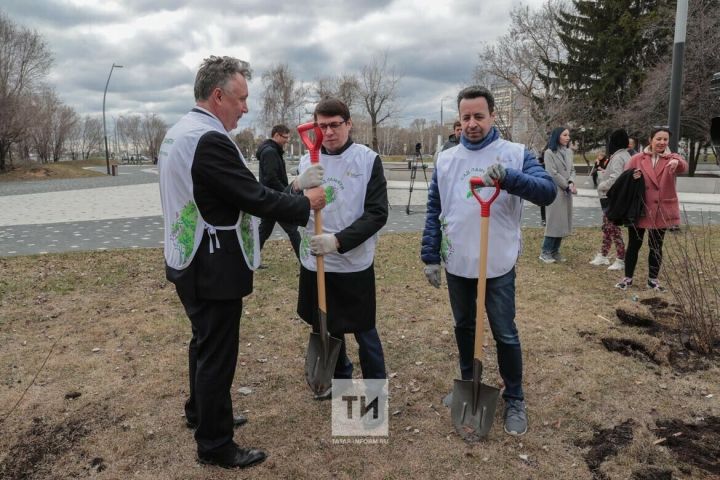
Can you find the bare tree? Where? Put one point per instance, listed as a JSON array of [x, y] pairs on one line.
[[44, 105], [246, 142], [130, 131], [88, 136], [520, 58], [282, 96], [63, 123], [344, 87], [378, 91], [153, 130], [24, 60]]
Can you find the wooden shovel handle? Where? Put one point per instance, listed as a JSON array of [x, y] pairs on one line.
[[475, 183], [320, 261], [482, 280]]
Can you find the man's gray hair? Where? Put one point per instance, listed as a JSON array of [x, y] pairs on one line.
[[215, 72]]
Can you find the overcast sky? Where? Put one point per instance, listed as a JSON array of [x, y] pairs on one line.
[[432, 43]]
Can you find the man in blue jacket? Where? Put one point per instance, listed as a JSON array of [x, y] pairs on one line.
[[452, 235]]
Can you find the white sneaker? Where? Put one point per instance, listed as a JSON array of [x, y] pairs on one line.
[[617, 265], [600, 259]]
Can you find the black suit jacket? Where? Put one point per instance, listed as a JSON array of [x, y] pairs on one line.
[[223, 186], [272, 166]]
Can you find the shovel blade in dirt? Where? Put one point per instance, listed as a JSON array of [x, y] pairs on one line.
[[473, 409], [320, 361]]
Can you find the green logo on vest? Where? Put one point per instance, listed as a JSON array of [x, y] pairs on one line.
[[183, 230], [246, 234]]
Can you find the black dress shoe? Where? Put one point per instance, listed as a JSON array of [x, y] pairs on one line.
[[234, 457], [238, 421]]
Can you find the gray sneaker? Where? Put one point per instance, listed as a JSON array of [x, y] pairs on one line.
[[558, 258], [516, 422], [546, 257]]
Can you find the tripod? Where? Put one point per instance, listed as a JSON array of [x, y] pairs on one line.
[[416, 162]]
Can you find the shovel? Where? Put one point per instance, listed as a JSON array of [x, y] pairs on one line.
[[473, 402], [323, 350]]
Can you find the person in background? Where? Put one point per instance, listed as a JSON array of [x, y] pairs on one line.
[[632, 146], [659, 167], [617, 148], [601, 161], [454, 138], [559, 164], [274, 175]]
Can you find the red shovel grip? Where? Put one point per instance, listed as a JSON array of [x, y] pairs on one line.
[[314, 147], [477, 182]]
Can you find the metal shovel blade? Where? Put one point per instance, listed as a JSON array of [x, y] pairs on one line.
[[473, 409], [320, 361]]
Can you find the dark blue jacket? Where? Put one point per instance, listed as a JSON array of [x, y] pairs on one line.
[[533, 184]]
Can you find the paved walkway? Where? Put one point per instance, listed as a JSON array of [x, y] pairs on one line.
[[124, 212]]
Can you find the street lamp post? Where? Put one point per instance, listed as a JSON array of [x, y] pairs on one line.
[[441, 108], [107, 154]]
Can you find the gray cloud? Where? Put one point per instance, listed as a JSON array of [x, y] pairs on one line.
[[160, 43]]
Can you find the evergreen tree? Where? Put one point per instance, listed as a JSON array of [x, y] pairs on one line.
[[610, 46]]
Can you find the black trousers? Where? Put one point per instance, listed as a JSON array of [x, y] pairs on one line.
[[655, 244], [266, 228], [212, 356]]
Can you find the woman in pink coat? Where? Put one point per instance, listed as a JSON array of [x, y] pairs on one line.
[[659, 168]]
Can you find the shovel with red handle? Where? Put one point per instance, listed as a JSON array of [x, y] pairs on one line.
[[323, 350], [473, 402]]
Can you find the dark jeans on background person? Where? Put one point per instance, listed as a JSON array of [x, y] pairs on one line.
[[212, 356], [655, 244], [266, 228], [500, 308], [542, 215], [372, 359], [551, 244]]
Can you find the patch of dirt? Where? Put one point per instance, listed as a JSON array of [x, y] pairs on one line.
[[649, 472], [658, 353], [605, 443], [696, 444], [44, 442], [658, 319]]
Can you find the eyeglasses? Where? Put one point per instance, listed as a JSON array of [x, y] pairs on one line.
[[332, 125], [286, 137]]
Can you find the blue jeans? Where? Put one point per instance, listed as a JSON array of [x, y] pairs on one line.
[[372, 359], [500, 308], [551, 245]]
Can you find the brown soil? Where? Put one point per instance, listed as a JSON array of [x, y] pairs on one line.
[[662, 340], [606, 442], [110, 397], [696, 443]]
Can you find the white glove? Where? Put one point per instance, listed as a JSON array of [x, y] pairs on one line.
[[312, 177], [323, 244], [494, 172], [432, 272]]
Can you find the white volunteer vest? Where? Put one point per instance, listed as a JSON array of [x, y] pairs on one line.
[[345, 183], [184, 224], [460, 211]]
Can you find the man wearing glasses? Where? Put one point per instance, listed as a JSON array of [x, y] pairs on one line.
[[273, 175], [356, 209]]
